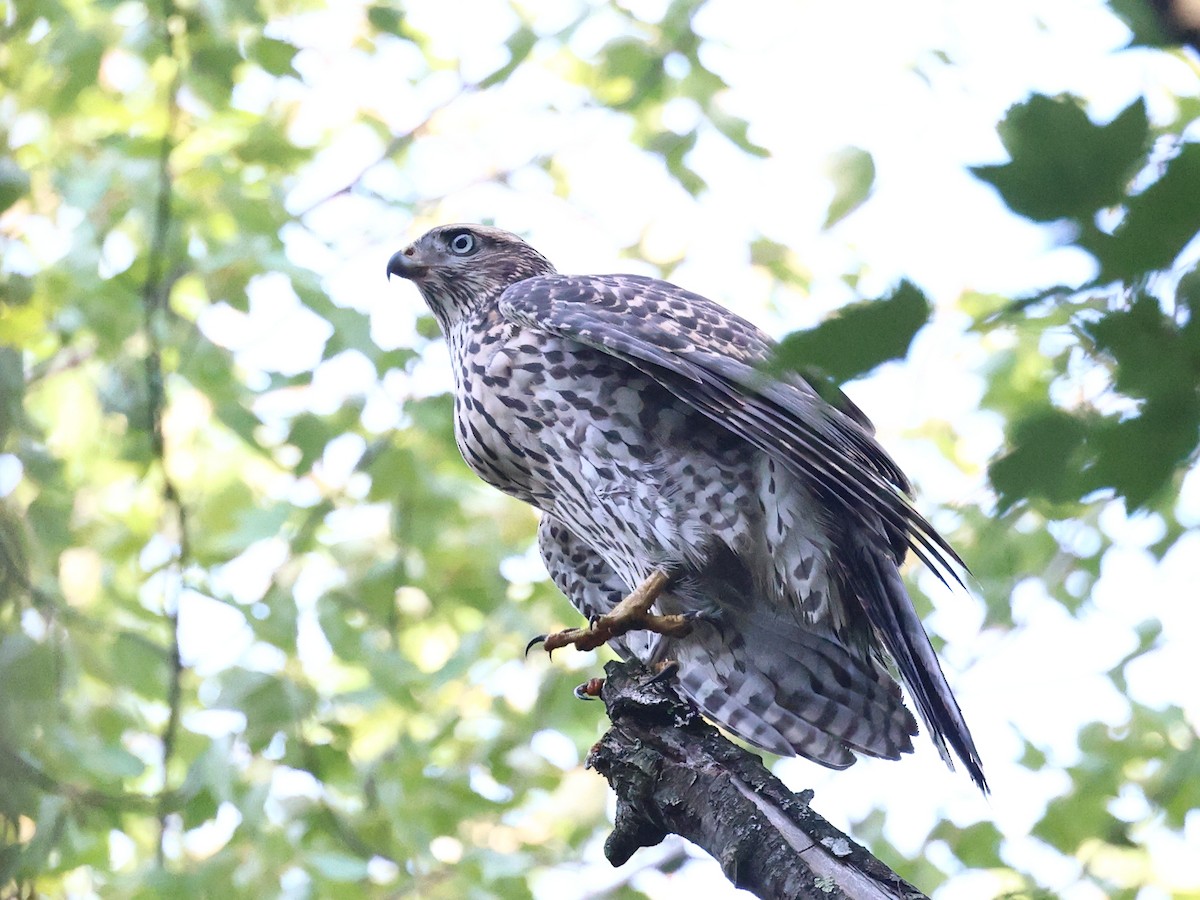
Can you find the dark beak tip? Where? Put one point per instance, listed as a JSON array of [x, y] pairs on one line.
[[396, 265]]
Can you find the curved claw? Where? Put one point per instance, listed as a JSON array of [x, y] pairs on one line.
[[593, 619], [715, 619], [539, 639], [589, 690], [666, 673]]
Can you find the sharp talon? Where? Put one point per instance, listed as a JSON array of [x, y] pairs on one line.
[[540, 639], [666, 673], [590, 689], [713, 619], [592, 620]]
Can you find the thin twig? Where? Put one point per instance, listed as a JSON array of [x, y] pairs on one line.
[[353, 841], [394, 146], [15, 764], [154, 302], [64, 361], [54, 608]]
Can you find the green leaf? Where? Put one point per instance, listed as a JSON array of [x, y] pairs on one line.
[[51, 817], [1158, 362], [1158, 224], [1145, 345], [27, 668], [78, 62], [278, 626], [309, 435], [201, 807], [629, 74], [253, 524], [140, 663], [12, 388], [14, 182], [270, 703], [385, 18], [674, 149], [1033, 758], [275, 56], [976, 846], [1138, 456], [241, 421], [265, 143], [10, 857], [519, 44], [1064, 166], [780, 261], [736, 130], [1145, 23], [215, 59], [340, 867], [1176, 787], [1148, 635], [111, 763], [1069, 822], [1083, 815], [858, 337], [351, 331], [1045, 459], [853, 174]]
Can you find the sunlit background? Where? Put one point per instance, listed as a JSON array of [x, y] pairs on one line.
[[410, 137]]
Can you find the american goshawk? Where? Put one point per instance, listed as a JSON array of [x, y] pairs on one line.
[[694, 508]]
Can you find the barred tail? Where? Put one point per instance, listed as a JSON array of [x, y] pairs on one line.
[[895, 621], [793, 692]]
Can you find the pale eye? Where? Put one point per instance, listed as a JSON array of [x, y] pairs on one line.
[[462, 243]]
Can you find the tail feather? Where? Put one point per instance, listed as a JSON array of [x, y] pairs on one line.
[[895, 621], [794, 693], [745, 704]]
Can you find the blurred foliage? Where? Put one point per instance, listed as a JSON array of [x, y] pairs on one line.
[[836, 348], [852, 172], [370, 727], [1135, 318]]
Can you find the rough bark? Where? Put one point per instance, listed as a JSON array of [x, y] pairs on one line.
[[673, 773]]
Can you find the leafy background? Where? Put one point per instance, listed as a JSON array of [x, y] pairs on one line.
[[261, 631]]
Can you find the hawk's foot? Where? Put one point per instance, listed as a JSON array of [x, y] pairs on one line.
[[608, 627], [663, 672], [631, 614]]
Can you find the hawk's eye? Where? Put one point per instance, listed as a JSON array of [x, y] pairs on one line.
[[462, 243]]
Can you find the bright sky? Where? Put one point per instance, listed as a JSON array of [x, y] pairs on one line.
[[811, 78]]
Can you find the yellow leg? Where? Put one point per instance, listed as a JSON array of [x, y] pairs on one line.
[[631, 614]]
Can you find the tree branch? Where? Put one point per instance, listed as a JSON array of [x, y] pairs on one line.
[[673, 773], [155, 294]]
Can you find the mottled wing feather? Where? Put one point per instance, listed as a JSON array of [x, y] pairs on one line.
[[770, 681], [709, 357]]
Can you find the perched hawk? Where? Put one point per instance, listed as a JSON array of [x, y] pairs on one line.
[[694, 508]]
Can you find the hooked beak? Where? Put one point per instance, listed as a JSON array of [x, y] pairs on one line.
[[406, 263]]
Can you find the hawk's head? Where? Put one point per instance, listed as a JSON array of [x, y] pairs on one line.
[[458, 268]]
